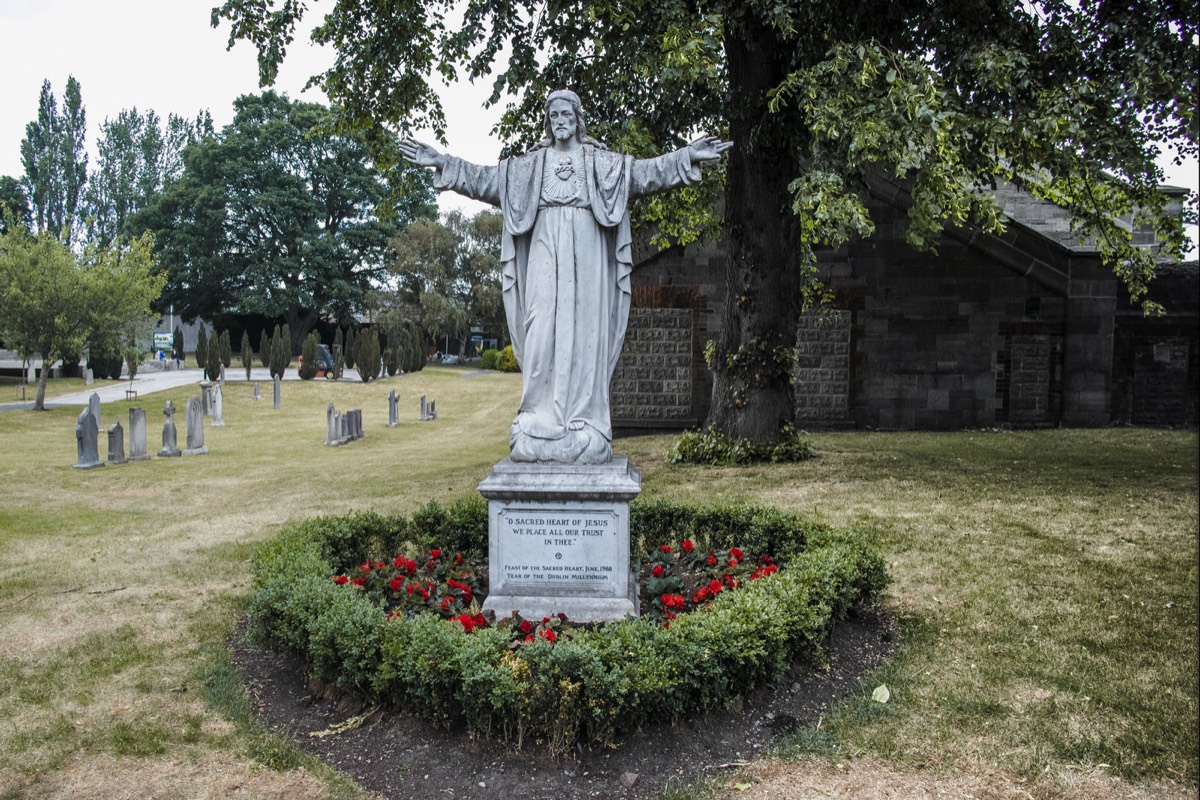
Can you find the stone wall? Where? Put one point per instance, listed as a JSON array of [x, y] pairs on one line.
[[652, 385], [822, 376]]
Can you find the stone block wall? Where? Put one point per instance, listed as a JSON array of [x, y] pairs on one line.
[[822, 376], [652, 385]]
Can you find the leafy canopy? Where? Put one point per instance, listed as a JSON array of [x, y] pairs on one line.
[[1072, 100]]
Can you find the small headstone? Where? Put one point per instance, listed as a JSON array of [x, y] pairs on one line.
[[206, 397], [358, 426], [433, 409], [330, 430], [218, 407], [116, 444], [424, 409], [195, 428], [137, 435], [276, 391], [88, 379], [257, 396], [86, 444], [222, 383], [170, 447], [94, 408], [393, 409], [343, 428]]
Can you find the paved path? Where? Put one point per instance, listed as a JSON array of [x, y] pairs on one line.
[[158, 381]]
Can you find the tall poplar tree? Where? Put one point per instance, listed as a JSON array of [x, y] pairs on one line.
[[55, 161]]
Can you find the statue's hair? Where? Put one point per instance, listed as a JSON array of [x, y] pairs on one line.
[[580, 119]]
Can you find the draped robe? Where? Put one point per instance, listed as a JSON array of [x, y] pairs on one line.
[[566, 258]]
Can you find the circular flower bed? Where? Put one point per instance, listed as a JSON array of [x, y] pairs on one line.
[[387, 607]]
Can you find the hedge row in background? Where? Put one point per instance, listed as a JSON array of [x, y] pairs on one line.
[[602, 681]]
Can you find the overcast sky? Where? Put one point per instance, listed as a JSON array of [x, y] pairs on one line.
[[163, 55]]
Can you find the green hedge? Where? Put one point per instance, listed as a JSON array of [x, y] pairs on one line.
[[592, 686]]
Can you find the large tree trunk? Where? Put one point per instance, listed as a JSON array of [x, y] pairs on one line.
[[39, 403], [752, 393], [300, 321]]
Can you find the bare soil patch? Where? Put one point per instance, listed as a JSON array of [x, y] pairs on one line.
[[399, 756]]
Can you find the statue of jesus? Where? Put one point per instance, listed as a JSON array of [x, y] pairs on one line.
[[566, 260]]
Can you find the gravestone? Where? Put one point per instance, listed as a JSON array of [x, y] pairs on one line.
[[170, 437], [88, 378], [356, 420], [331, 433], [218, 407], [206, 397], [257, 396], [222, 380], [137, 435], [116, 444], [393, 409], [428, 410], [558, 539], [94, 409], [195, 428], [276, 391], [86, 445], [433, 409]]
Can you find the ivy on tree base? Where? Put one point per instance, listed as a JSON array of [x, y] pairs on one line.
[[712, 447]]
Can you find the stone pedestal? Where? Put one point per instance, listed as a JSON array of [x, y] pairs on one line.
[[558, 540]]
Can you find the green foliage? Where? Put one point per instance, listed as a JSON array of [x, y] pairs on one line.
[[710, 446], [367, 355], [308, 358], [589, 685], [350, 348], [14, 206], [225, 349], [448, 276], [264, 349], [280, 352], [246, 355], [177, 341], [508, 360], [53, 302], [278, 214], [55, 161], [212, 360], [202, 348], [490, 359], [105, 361]]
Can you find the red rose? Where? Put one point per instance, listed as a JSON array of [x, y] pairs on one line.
[[398, 563], [545, 619], [445, 604], [480, 621], [715, 586], [548, 635], [529, 638], [735, 553], [396, 583], [340, 580], [526, 626], [379, 565], [657, 571], [358, 581], [435, 553], [733, 562], [668, 616], [458, 559], [687, 545], [466, 621], [712, 560], [364, 567], [562, 616], [666, 548], [410, 566]]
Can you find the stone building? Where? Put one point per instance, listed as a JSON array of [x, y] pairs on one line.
[[1024, 329]]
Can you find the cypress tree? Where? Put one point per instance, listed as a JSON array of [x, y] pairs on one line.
[[177, 343], [202, 348], [226, 349], [247, 355], [308, 358], [350, 354], [264, 349]]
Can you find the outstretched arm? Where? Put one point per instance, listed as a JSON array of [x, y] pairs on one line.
[[422, 154], [454, 174], [707, 148], [678, 168]]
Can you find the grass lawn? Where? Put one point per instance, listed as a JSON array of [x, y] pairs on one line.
[[1045, 585]]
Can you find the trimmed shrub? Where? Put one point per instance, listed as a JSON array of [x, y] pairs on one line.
[[592, 683], [508, 361], [226, 349], [490, 359], [202, 348], [264, 349], [308, 358], [247, 354], [367, 355]]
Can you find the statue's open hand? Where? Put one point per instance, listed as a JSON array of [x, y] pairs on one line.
[[421, 154], [708, 148]]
